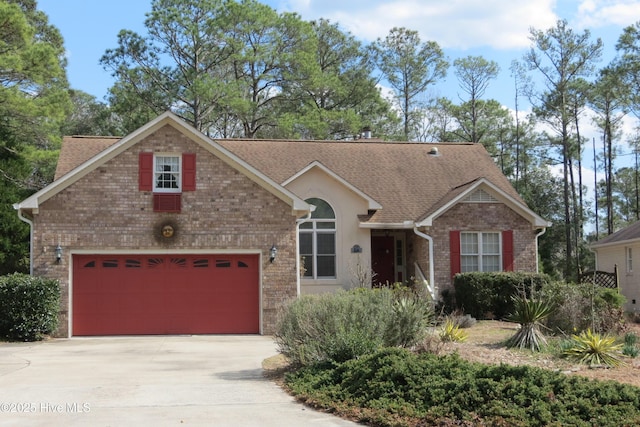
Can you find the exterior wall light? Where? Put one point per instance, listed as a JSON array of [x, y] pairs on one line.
[[272, 253], [58, 254]]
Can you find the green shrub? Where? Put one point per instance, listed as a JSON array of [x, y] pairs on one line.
[[630, 338], [488, 295], [630, 347], [395, 387], [28, 307], [594, 349], [630, 350], [344, 325], [582, 306]]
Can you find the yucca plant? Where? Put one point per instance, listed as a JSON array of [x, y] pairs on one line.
[[451, 332], [529, 313], [593, 349]]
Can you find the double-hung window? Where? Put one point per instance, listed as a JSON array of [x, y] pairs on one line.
[[480, 251], [318, 242], [167, 174]]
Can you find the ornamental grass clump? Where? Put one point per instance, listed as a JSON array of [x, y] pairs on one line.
[[595, 349], [529, 313]]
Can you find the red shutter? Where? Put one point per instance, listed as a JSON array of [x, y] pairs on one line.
[[166, 202], [188, 172], [454, 248], [507, 250], [145, 171]]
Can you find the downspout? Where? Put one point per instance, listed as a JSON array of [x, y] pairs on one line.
[[431, 270], [17, 207], [298, 222], [544, 230]]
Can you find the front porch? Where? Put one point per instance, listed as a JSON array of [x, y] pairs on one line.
[[399, 256]]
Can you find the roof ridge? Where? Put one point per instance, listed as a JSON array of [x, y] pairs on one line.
[[93, 136], [336, 141]]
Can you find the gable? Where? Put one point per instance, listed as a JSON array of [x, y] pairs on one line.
[[131, 140], [482, 191], [317, 178]]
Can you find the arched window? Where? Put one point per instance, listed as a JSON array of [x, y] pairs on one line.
[[318, 242]]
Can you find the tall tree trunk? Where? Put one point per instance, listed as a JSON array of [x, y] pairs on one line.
[[609, 174], [567, 209], [579, 223], [595, 187], [636, 182]]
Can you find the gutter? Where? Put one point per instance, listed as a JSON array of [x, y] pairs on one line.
[[298, 222], [544, 230], [431, 268], [19, 209]]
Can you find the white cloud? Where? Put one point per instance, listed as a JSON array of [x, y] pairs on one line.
[[460, 24], [600, 13]]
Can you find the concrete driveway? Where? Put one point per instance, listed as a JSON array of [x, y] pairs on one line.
[[138, 381]]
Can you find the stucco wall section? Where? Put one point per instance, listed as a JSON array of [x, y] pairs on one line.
[[628, 278], [347, 205], [104, 212]]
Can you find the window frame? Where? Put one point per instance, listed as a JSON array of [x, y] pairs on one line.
[[628, 255], [157, 174], [481, 253], [314, 230]]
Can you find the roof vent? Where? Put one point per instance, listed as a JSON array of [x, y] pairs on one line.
[[433, 151]]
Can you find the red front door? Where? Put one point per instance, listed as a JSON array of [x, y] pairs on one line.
[[383, 259], [165, 294]]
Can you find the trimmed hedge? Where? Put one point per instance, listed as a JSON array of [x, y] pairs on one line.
[[28, 307], [488, 295]]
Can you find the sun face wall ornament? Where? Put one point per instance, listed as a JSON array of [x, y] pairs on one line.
[[167, 231]]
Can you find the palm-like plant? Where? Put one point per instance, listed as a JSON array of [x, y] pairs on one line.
[[529, 313], [593, 349], [452, 333]]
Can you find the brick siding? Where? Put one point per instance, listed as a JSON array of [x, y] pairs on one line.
[[104, 211]]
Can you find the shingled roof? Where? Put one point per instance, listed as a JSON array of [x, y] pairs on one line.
[[407, 179], [626, 234], [77, 149]]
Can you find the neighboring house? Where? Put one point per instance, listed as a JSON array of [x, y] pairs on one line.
[[166, 231], [622, 249]]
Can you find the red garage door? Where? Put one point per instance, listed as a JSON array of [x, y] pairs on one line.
[[165, 294]]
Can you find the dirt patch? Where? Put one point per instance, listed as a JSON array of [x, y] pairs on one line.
[[485, 344]]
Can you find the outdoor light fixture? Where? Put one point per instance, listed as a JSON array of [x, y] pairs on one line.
[[58, 253], [272, 253]]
